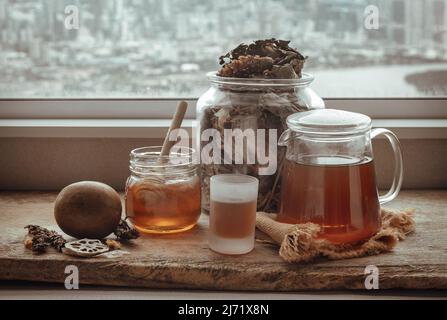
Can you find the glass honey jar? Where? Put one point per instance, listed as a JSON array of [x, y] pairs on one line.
[[163, 192]]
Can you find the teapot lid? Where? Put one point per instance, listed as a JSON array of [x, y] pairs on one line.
[[329, 121]]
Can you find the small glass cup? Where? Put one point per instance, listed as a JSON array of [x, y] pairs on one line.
[[233, 213]]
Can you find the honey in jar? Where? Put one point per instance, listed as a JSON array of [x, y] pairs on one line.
[[163, 196]]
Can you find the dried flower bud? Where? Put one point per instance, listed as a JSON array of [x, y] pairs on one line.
[[124, 232]]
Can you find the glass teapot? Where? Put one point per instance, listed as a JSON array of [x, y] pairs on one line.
[[328, 177]]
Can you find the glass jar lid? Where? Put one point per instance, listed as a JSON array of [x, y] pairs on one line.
[[329, 121], [304, 81], [148, 161]]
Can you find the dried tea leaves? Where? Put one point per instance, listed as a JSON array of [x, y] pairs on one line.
[[269, 59], [39, 239], [256, 107], [246, 67], [263, 109], [85, 248]]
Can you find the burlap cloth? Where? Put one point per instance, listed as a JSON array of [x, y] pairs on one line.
[[300, 242]]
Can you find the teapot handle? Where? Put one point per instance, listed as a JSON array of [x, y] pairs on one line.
[[398, 169]]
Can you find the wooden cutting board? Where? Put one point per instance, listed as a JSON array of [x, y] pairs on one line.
[[184, 261]]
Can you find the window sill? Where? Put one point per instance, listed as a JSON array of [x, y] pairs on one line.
[[156, 128], [85, 128]]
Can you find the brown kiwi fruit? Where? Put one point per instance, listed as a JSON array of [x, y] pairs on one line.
[[88, 209]]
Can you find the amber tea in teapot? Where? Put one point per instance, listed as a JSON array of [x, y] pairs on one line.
[[336, 191], [329, 176]]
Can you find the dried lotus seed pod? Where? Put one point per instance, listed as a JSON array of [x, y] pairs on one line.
[[85, 248]]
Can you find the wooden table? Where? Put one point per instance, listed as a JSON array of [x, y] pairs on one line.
[[184, 261]]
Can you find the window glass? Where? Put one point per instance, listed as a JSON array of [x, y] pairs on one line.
[[161, 49]]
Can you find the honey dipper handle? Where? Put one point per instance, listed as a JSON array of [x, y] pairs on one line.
[[176, 123]]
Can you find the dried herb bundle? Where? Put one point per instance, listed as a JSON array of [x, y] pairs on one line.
[[271, 58], [125, 232], [42, 238]]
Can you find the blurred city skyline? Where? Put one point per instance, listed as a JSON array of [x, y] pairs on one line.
[[164, 48]]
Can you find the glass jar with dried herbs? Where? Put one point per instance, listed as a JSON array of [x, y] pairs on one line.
[[250, 103]]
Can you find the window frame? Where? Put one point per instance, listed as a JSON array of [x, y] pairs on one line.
[[376, 108], [150, 118]]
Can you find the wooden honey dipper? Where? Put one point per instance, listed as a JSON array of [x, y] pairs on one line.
[[176, 123]]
